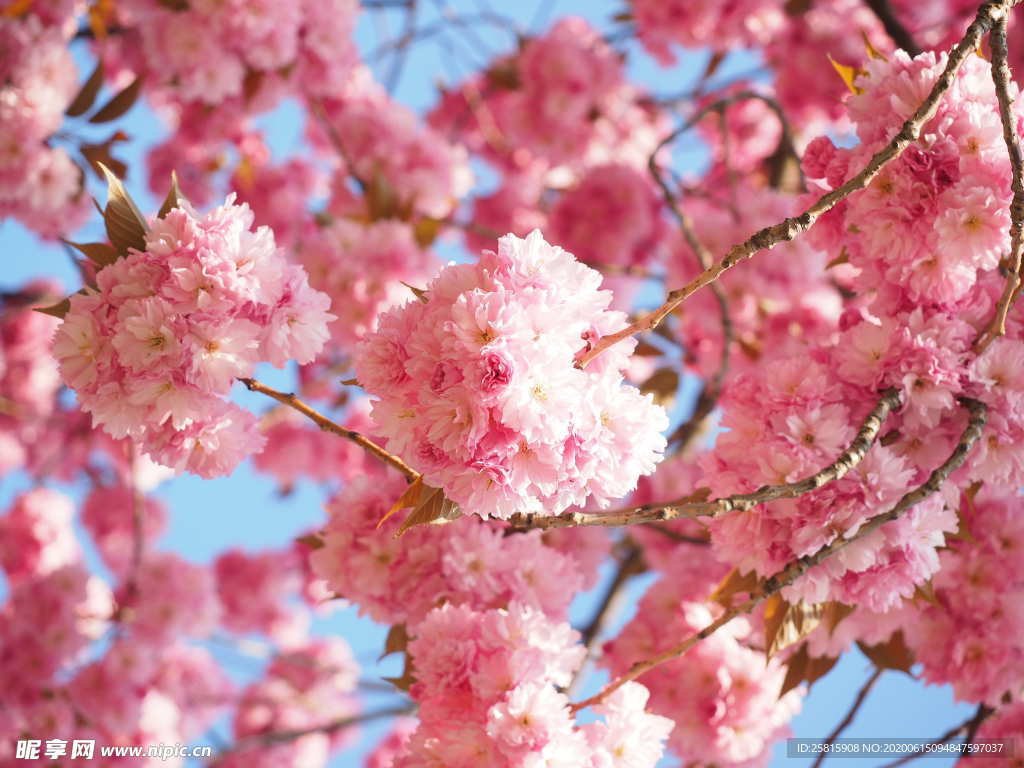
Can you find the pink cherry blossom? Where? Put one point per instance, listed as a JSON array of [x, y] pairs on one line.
[[168, 329], [504, 439]]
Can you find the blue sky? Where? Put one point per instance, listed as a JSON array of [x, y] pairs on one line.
[[245, 511]]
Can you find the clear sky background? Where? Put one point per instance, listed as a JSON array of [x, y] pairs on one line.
[[245, 510]]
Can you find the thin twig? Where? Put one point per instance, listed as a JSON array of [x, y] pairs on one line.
[[1001, 77], [611, 601], [282, 737], [786, 230], [131, 586], [974, 721], [402, 52], [679, 538], [650, 513], [850, 715], [893, 26], [327, 425], [712, 389], [320, 112], [980, 716], [796, 569]]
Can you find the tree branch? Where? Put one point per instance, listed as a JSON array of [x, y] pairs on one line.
[[796, 569], [282, 737], [327, 425], [786, 230], [631, 565], [708, 398], [845, 723], [650, 513], [1001, 77], [980, 716], [974, 721], [893, 26]]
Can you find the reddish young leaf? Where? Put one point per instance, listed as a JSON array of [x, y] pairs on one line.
[[119, 104], [86, 96]]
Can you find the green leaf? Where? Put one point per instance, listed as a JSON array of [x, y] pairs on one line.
[[801, 667], [126, 226], [434, 507], [733, 584], [426, 231], [663, 384], [86, 96], [848, 74], [410, 498], [119, 104], [892, 654], [100, 254], [418, 292], [797, 7], [396, 641], [311, 541], [173, 199], [835, 612], [100, 154], [408, 677], [58, 310], [786, 623], [644, 349]]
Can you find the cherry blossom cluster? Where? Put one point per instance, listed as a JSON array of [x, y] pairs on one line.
[[154, 348], [721, 695], [970, 633], [40, 185], [906, 329], [108, 515], [486, 692], [1006, 725], [66, 674], [478, 388], [257, 594], [506, 598], [612, 217], [29, 378], [801, 417], [467, 562], [211, 52], [385, 146], [306, 688], [779, 306], [694, 24], [936, 217], [362, 267], [560, 105], [295, 449]]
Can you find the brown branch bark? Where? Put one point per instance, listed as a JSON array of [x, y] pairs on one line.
[[988, 14], [974, 721], [630, 565], [327, 425], [1001, 77], [708, 398], [282, 737], [862, 694], [796, 569], [651, 513]]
